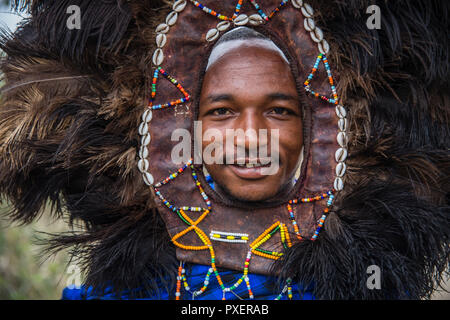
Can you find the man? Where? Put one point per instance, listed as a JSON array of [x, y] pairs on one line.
[[73, 100]]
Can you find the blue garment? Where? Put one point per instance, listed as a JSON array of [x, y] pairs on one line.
[[260, 285]]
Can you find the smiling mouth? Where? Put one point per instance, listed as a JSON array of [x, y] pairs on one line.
[[250, 170]]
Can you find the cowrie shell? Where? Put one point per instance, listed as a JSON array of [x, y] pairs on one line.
[[143, 165], [158, 57], [297, 3], [143, 128], [143, 152], [341, 154], [162, 28], [342, 139], [307, 10], [340, 111], [255, 19], [241, 20], [309, 24], [324, 47], [161, 40], [147, 115], [338, 184], [340, 169], [179, 5], [342, 124], [145, 140], [171, 18], [317, 35], [212, 35], [148, 178], [223, 25]]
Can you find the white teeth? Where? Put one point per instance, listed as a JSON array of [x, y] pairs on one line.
[[249, 165]]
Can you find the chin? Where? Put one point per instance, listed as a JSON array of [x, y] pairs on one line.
[[247, 194]]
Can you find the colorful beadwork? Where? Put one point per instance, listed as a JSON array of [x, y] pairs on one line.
[[306, 84], [274, 11], [321, 221], [255, 246], [174, 82], [231, 237], [237, 10], [210, 11]]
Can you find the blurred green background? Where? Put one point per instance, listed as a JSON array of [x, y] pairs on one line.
[[23, 274]]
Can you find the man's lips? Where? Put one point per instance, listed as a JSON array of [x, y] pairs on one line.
[[250, 170], [246, 173]]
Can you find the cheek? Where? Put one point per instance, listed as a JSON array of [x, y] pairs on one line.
[[291, 142]]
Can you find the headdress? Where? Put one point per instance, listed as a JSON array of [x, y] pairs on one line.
[[77, 141], [195, 217]]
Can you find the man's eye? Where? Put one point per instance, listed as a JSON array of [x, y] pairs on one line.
[[220, 112], [281, 111]]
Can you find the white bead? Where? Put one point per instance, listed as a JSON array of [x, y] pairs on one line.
[[340, 169], [158, 57], [241, 20], [148, 178], [143, 128], [297, 3], [309, 24], [342, 124], [143, 152], [145, 140], [341, 154], [324, 47], [162, 28], [143, 165], [307, 10], [179, 5], [206, 282], [147, 115], [171, 18], [338, 184], [224, 25], [212, 35], [255, 19], [161, 40], [340, 111], [342, 139]]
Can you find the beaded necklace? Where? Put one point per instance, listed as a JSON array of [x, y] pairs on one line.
[[237, 10], [254, 247]]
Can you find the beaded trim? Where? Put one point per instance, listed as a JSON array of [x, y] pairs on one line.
[[232, 237], [174, 82]]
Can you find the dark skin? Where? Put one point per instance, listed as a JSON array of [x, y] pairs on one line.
[[252, 87]]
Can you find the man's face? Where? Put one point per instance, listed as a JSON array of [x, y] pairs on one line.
[[252, 87]]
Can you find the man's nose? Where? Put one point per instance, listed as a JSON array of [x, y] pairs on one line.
[[250, 122]]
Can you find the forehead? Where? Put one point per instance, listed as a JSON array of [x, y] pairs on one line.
[[248, 65]]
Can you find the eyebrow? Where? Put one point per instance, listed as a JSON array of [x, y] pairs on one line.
[[281, 96], [219, 97], [271, 96]]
